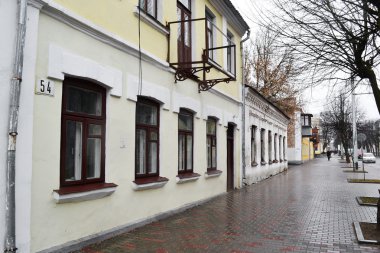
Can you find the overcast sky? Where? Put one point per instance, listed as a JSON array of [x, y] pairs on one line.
[[314, 99]]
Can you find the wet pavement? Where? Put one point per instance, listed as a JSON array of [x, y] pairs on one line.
[[309, 208]]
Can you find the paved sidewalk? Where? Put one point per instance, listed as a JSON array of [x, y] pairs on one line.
[[310, 208]]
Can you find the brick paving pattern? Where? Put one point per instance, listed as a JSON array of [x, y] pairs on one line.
[[310, 208]]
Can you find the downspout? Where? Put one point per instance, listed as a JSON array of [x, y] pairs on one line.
[[243, 109], [10, 198]]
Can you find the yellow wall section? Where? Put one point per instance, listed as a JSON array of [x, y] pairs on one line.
[[118, 18], [307, 149]]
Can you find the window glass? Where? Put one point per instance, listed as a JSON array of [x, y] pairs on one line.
[[181, 152], [185, 3], [211, 144], [73, 159], [189, 153], [146, 114], [140, 151], [211, 126], [149, 6], [153, 155], [93, 157], [229, 52], [84, 101], [185, 122], [147, 138], [209, 153], [253, 144], [262, 142], [94, 129], [185, 141], [83, 129]]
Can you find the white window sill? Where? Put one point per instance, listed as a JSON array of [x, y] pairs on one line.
[[151, 21], [212, 174], [83, 196], [184, 179], [152, 185]]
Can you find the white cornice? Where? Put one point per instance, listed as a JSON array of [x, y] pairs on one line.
[[79, 23], [231, 18], [154, 23], [36, 3]]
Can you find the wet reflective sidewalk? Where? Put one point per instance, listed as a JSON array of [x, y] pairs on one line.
[[309, 208]]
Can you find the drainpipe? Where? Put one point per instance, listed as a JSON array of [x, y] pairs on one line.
[[243, 97], [10, 198]]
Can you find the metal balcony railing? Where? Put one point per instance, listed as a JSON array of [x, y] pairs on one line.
[[200, 51]]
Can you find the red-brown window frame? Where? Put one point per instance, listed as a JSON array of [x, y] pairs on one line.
[[187, 133], [229, 52], [275, 146], [210, 33], [145, 8], [253, 145], [213, 138], [86, 120], [185, 11], [149, 129], [262, 144], [270, 155]]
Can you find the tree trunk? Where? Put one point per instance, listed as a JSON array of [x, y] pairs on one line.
[[375, 89]]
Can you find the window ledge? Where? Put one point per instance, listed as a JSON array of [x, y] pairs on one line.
[[189, 177], [254, 164], [151, 21], [149, 183], [83, 192], [213, 173]]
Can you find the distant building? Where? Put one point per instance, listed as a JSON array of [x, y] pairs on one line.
[[300, 147], [266, 137]]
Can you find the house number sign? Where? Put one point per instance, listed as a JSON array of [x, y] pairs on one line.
[[45, 87]]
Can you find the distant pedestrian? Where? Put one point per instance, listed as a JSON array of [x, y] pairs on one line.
[[328, 155]]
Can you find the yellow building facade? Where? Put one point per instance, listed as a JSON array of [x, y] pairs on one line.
[[133, 112]]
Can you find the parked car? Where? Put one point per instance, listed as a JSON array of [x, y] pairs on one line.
[[369, 158]]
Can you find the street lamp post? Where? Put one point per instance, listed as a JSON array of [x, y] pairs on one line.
[[354, 130]]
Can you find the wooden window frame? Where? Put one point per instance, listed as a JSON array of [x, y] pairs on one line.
[[270, 146], [182, 53], [210, 17], [145, 8], [186, 133], [229, 53], [253, 145], [212, 138], [86, 120], [275, 146], [262, 145], [148, 129]]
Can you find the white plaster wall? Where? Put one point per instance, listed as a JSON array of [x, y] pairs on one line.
[[73, 221], [295, 154], [269, 123], [8, 21]]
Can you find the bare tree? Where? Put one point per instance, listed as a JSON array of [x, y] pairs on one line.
[[327, 129], [338, 117], [273, 71], [372, 141], [337, 39]]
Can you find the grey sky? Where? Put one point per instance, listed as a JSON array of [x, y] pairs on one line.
[[315, 98]]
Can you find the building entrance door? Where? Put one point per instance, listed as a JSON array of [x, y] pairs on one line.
[[230, 157]]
